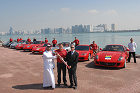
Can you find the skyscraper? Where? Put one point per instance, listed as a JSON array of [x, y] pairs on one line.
[[11, 31], [112, 27]]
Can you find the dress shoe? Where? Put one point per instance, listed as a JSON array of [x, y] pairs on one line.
[[58, 84], [70, 86], [75, 87], [65, 84]]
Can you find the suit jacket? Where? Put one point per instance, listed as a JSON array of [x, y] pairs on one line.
[[72, 60]]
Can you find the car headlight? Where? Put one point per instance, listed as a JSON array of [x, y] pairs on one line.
[[96, 57], [120, 58]]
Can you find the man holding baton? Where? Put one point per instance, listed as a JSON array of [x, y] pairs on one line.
[[60, 64]]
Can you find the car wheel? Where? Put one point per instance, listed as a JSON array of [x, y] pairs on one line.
[[88, 57], [124, 64]]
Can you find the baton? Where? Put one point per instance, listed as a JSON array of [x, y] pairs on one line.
[[61, 58]]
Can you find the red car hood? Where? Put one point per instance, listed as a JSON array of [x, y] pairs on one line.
[[82, 52], [20, 45], [109, 56], [38, 49], [32, 45]]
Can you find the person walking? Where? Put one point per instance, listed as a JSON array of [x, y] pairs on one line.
[[60, 65], [72, 60], [48, 76], [132, 49]]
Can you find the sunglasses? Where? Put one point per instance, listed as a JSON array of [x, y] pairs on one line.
[[72, 47]]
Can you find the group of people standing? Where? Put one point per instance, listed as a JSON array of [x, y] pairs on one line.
[[18, 39], [54, 41], [71, 58]]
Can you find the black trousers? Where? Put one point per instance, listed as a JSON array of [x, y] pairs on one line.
[[54, 45], [72, 76], [61, 66], [133, 53]]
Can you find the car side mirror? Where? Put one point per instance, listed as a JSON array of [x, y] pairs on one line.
[[101, 49]]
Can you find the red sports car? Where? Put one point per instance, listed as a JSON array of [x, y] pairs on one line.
[[113, 55], [40, 49], [20, 46], [29, 47], [85, 52]]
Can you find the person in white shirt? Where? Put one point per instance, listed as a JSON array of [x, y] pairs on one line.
[[132, 49], [48, 76]]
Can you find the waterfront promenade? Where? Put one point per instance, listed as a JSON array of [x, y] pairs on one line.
[[22, 72]]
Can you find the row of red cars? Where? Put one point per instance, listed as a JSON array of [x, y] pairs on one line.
[[113, 55], [37, 47]]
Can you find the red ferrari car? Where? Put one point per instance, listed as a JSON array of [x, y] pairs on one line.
[[20, 46], [40, 49], [113, 55], [85, 52], [29, 47]]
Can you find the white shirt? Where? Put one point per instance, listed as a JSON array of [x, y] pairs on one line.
[[72, 52], [48, 59], [132, 47]]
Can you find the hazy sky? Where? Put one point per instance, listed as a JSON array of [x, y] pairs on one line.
[[36, 14]]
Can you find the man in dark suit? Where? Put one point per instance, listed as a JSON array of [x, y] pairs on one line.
[[72, 60]]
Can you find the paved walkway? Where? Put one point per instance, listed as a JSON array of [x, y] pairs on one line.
[[22, 72]]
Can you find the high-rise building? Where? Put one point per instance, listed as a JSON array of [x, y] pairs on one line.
[[105, 27], [11, 31], [99, 28], [88, 28], [112, 27]]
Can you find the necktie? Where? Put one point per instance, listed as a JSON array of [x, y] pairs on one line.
[[72, 53]]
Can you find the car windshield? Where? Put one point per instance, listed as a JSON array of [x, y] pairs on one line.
[[45, 45], [82, 48], [22, 41], [36, 42], [14, 43], [66, 44], [113, 48]]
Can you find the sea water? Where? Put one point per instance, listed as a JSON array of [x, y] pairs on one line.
[[101, 39]]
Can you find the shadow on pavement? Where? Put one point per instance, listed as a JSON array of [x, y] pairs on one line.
[[24, 51], [38, 86], [34, 54], [92, 65], [28, 86]]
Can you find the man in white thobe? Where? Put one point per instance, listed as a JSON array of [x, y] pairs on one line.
[[48, 78]]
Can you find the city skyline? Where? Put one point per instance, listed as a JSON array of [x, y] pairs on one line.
[[31, 15]]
